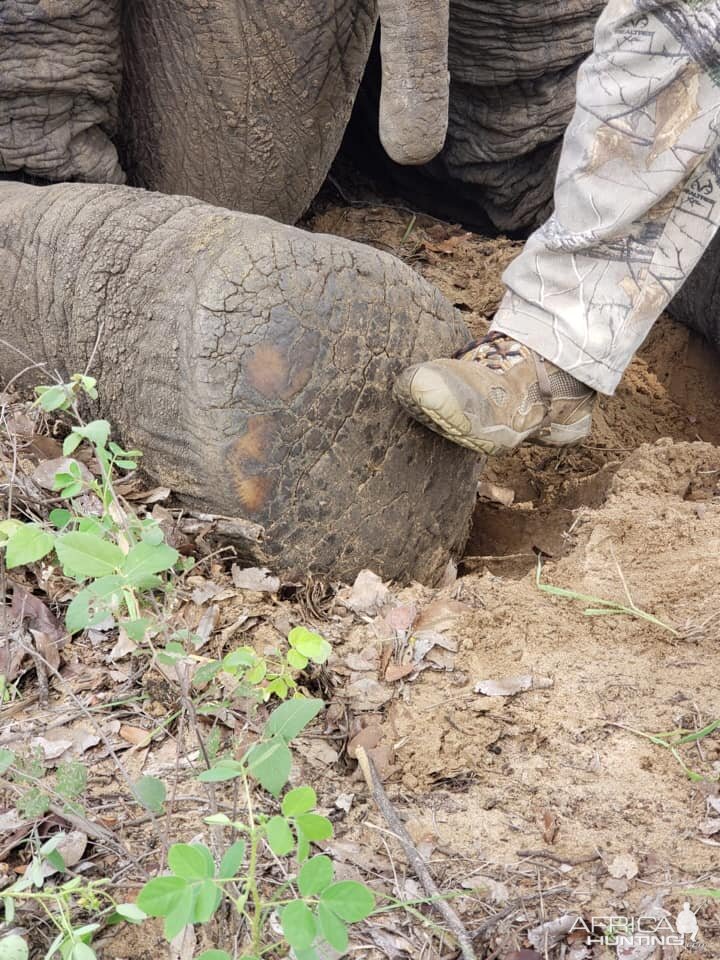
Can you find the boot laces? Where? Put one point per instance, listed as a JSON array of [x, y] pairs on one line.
[[496, 348]]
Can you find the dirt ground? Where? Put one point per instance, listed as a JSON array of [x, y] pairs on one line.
[[636, 509], [509, 726]]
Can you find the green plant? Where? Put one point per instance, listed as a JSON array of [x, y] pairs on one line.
[[120, 562], [312, 906], [678, 738], [35, 788], [599, 607], [119, 558], [61, 903]]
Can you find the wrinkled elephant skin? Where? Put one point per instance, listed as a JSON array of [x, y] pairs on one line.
[[252, 364]]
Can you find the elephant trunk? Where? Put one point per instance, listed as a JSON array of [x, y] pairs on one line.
[[415, 79]]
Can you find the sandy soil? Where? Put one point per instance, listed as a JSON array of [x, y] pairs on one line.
[[636, 510]]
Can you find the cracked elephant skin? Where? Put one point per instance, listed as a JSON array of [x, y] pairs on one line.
[[242, 104], [252, 363]]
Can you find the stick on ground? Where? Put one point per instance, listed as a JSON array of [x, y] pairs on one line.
[[453, 921]]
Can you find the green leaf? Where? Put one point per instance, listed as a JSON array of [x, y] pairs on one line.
[[218, 819], [7, 759], [225, 769], [71, 779], [350, 900], [182, 913], [81, 951], [13, 948], [53, 398], [191, 861], [270, 763], [159, 896], [712, 892], [136, 629], [146, 559], [214, 955], [97, 432], [86, 555], [131, 912], [315, 875], [279, 836], [309, 644], [314, 826], [296, 660], [299, 800], [242, 657], [298, 925], [290, 718], [9, 527], [208, 898], [71, 442], [332, 928], [232, 860], [27, 545], [101, 595], [151, 793], [60, 518]]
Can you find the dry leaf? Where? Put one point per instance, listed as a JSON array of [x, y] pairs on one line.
[[401, 618], [623, 865], [368, 738], [367, 595], [44, 474], [495, 493], [344, 801], [509, 686], [134, 735], [397, 671], [149, 496], [711, 826], [368, 693], [206, 590], [550, 827], [549, 934], [495, 890], [71, 848], [206, 626], [124, 646], [183, 946], [255, 578], [440, 615]]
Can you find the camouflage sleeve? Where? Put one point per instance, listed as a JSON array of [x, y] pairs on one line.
[[637, 192]]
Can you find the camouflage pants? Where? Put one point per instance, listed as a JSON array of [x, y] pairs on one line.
[[637, 197]]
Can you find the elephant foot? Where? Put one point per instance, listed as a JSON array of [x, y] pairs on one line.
[[252, 363]]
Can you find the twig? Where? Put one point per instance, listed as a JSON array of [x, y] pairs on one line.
[[517, 904], [550, 855], [377, 791]]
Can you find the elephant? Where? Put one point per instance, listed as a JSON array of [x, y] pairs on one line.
[[240, 104], [250, 361]]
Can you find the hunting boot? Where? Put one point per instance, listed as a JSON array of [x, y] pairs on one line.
[[494, 395]]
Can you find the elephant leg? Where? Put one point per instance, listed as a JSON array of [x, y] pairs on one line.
[[637, 198], [251, 362]]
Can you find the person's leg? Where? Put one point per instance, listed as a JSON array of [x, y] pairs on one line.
[[637, 200]]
